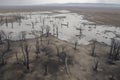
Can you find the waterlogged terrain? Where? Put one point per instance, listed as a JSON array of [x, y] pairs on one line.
[[70, 26], [37, 45]]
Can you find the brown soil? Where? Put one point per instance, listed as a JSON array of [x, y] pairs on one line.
[[81, 67]]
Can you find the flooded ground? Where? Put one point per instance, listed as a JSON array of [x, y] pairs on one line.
[[70, 26]]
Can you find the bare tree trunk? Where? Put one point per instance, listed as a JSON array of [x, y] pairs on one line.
[[111, 49], [57, 31], [41, 39], [27, 56], [22, 48], [19, 20], [6, 21], [46, 69], [2, 59], [43, 22], [93, 48], [17, 57], [53, 29], [57, 51], [47, 31], [63, 48], [8, 45], [37, 48], [117, 53], [66, 64], [0, 38], [42, 31], [75, 46], [48, 42], [95, 68], [32, 25]]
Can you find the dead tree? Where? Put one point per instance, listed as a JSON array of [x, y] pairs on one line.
[[47, 31], [22, 35], [80, 32], [66, 64], [111, 49], [2, 58], [75, 45], [46, 68], [19, 20], [32, 25], [53, 29], [67, 24], [96, 64], [48, 41], [114, 50], [42, 29], [41, 36], [40, 19], [23, 52], [63, 48], [27, 50], [57, 32], [117, 52], [41, 39], [58, 52], [16, 54], [6, 22], [74, 40], [1, 20], [65, 60], [93, 48], [37, 47], [112, 77], [2, 36], [44, 22], [8, 37], [30, 15], [3, 51]]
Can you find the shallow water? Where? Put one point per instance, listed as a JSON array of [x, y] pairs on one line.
[[71, 33]]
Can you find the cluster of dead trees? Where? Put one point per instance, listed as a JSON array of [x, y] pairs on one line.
[[62, 56], [26, 51], [10, 19], [5, 45], [114, 53], [2, 55]]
